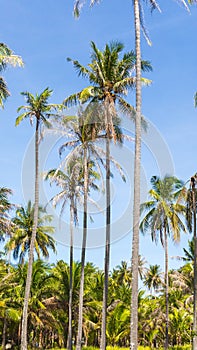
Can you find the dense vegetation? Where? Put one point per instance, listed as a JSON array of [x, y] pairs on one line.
[[48, 305]]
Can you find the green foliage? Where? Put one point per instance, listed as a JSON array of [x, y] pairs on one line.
[[6, 58]]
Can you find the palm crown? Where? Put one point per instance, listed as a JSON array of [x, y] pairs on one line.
[[23, 224], [164, 209], [37, 107], [110, 76]]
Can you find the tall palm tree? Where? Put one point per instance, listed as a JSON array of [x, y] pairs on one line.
[[110, 76], [191, 203], [192, 212], [70, 192], [39, 109], [7, 57], [83, 132], [163, 218], [19, 243], [138, 24]]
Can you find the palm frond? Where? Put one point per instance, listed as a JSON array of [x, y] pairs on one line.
[[81, 70], [4, 92], [72, 100]]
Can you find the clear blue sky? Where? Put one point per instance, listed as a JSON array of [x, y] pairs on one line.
[[45, 33]]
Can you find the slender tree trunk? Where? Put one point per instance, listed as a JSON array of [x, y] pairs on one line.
[[166, 290], [136, 205], [4, 332], [69, 343], [80, 319], [195, 265], [107, 246], [19, 334], [40, 339], [32, 244]]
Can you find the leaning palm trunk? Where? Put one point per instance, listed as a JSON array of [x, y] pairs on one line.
[[107, 246], [195, 267], [166, 289], [33, 237], [136, 204], [69, 342], [83, 252]]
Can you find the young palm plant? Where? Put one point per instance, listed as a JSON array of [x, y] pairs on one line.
[[39, 109], [110, 77], [163, 218]]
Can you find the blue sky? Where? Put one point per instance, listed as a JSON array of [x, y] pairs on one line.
[[45, 34]]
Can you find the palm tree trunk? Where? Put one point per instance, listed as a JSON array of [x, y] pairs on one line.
[[195, 267], [107, 246], [33, 237], [4, 332], [136, 205], [166, 289], [80, 318], [69, 343]]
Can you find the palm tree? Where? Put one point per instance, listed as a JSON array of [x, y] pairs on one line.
[[153, 278], [40, 316], [7, 57], [110, 77], [79, 178], [163, 218], [191, 202], [39, 109], [191, 205], [83, 132], [122, 274], [5, 207], [20, 240], [70, 192], [138, 24]]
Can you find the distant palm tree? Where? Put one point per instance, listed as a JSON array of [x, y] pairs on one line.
[[20, 240], [39, 109], [153, 278], [5, 207], [162, 218], [7, 57]]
